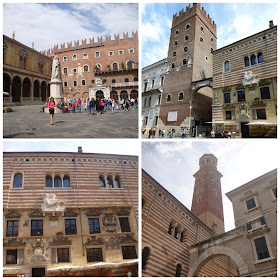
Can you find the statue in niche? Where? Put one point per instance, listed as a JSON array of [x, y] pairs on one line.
[[50, 202], [55, 68], [217, 100]]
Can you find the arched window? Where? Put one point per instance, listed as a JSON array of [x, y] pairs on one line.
[[175, 43], [168, 98], [17, 182], [253, 59], [65, 84], [66, 181], [174, 54], [113, 81], [110, 182], [57, 181], [227, 66], [188, 26], [115, 66], [83, 82], [176, 233], [74, 58], [85, 56], [260, 57], [49, 181], [126, 80], [86, 69], [145, 256], [101, 181], [181, 96], [173, 65], [178, 270], [97, 54], [117, 182], [186, 37], [65, 71], [246, 61], [185, 49], [182, 236], [184, 61], [170, 229]]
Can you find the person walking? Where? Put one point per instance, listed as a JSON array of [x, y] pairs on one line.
[[212, 133], [51, 105], [79, 104], [162, 132], [150, 132], [74, 104], [113, 105]]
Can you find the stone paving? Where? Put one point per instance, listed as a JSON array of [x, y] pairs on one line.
[[28, 122]]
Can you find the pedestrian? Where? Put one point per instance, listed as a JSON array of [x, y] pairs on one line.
[[85, 105], [172, 133], [159, 133], [79, 104], [132, 103], [74, 104], [113, 105], [91, 106], [51, 105], [136, 102], [229, 134], [212, 133], [154, 133], [126, 105], [162, 133], [150, 132], [184, 133]]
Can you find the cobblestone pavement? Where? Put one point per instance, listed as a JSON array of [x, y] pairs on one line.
[[28, 122]]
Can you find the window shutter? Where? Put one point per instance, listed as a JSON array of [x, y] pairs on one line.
[[263, 220], [54, 255], [20, 256], [249, 226]]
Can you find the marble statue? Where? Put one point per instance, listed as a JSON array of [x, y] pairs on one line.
[[55, 68], [249, 78]]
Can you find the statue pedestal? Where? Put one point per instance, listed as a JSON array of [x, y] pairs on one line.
[[56, 93]]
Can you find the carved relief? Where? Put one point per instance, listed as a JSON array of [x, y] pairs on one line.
[[110, 223], [36, 214], [38, 246], [14, 243], [60, 240], [128, 239], [123, 212], [112, 242], [50, 202], [243, 108], [94, 241], [93, 212], [217, 100], [13, 215], [38, 258], [249, 78], [69, 213]]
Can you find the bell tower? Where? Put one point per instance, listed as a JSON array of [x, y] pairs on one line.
[[207, 201]]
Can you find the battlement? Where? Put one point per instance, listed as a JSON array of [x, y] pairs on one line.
[[191, 11], [92, 42]]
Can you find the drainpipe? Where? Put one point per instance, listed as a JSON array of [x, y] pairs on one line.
[[80, 214]]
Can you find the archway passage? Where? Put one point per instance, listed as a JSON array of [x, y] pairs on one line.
[[99, 94], [225, 258], [114, 95], [44, 91], [134, 94], [6, 82], [219, 266], [124, 95], [26, 87], [36, 88], [16, 89]]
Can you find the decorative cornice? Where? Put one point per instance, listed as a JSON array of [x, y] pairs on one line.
[[60, 240], [14, 243]]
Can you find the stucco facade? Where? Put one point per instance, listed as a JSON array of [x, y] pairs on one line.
[[245, 86], [70, 214], [26, 73]]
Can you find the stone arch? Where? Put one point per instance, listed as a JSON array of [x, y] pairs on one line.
[[134, 93], [114, 95], [215, 251], [26, 87], [99, 94], [124, 95], [16, 89], [36, 88]]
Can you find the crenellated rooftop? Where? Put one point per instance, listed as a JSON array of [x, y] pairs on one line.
[[92, 42], [191, 11]]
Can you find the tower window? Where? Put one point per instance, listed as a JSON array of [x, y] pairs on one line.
[[185, 49], [227, 66], [201, 29], [186, 37], [175, 43], [201, 40], [181, 96], [168, 99], [173, 65], [246, 61], [253, 60], [174, 54], [184, 61], [188, 26], [176, 32], [260, 58]]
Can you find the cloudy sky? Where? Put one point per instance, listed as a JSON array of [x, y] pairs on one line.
[[234, 21], [101, 146], [173, 164], [50, 24]]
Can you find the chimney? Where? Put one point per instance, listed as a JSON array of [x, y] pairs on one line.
[[80, 150], [271, 24]]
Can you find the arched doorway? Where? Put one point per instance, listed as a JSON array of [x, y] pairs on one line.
[[44, 91], [114, 95], [6, 82], [134, 93], [36, 89], [124, 95], [16, 89], [99, 94], [85, 96], [26, 87]]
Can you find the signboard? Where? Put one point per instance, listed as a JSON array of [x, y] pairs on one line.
[[172, 116]]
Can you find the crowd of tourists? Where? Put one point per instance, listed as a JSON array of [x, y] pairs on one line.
[[92, 106]]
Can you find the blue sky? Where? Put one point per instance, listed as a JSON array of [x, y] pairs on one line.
[[173, 164], [50, 24], [234, 21], [101, 146]]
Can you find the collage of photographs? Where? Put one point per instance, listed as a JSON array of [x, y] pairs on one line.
[[139, 139]]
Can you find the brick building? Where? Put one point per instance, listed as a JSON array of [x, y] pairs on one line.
[[102, 67], [190, 59], [70, 214], [26, 73], [169, 228], [245, 85]]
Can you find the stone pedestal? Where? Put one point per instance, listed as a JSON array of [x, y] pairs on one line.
[[56, 93]]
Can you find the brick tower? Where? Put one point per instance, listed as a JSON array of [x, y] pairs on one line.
[[207, 201], [192, 40]]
